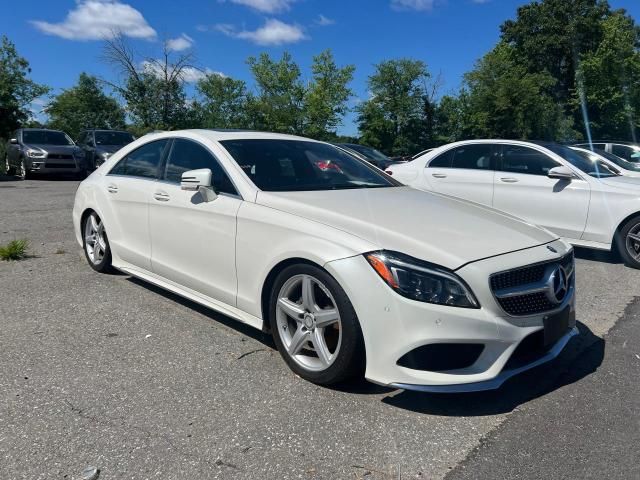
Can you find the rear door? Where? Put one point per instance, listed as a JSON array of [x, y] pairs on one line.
[[465, 171], [129, 186], [522, 188]]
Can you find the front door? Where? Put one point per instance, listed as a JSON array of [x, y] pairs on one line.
[[193, 241], [522, 188]]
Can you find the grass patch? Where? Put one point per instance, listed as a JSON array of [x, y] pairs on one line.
[[14, 250]]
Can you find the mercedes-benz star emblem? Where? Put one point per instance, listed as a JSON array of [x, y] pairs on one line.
[[557, 285]]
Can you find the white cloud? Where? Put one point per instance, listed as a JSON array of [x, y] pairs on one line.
[[273, 32], [267, 6], [183, 42], [324, 21], [189, 74], [412, 4], [99, 19]]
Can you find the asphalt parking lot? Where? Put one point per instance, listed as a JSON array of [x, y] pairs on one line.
[[105, 370]]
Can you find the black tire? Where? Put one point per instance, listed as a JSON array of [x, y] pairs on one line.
[[104, 265], [350, 359], [626, 245], [9, 169]]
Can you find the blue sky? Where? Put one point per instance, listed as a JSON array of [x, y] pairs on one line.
[[60, 38]]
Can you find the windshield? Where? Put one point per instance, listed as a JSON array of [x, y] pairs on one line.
[[292, 165], [368, 152], [621, 162], [597, 169], [113, 138], [46, 137]]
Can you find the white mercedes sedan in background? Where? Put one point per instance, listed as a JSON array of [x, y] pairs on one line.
[[351, 272], [546, 184]]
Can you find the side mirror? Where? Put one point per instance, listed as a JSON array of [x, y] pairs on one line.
[[561, 173], [13, 141], [199, 181]]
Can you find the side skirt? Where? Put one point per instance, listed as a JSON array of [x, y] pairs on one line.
[[194, 296]]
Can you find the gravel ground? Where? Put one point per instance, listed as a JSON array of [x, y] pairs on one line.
[[105, 370]]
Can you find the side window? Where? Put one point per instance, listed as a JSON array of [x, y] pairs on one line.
[[142, 162], [442, 161], [474, 157], [624, 151], [526, 160], [188, 155]]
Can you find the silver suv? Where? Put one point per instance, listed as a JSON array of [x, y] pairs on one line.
[[625, 150], [43, 151]]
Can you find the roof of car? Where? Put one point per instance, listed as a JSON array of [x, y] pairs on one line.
[[619, 142], [219, 135]]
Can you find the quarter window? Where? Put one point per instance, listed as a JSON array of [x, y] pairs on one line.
[[442, 161], [188, 155], [142, 162], [472, 157], [526, 160]]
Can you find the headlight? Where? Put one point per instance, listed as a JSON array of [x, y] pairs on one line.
[[36, 154], [105, 155], [421, 281]]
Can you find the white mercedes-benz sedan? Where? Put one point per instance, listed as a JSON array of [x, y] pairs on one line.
[[547, 184], [352, 272]]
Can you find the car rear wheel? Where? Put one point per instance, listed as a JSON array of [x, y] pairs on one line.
[[315, 326], [628, 242], [96, 244]]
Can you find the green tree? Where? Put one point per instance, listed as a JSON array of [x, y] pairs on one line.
[[17, 90], [326, 98], [84, 106], [278, 104], [609, 80], [396, 117], [453, 118], [505, 100], [223, 102], [153, 89], [550, 35]]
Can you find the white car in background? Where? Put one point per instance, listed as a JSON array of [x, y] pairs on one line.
[[543, 183], [610, 161], [327, 252]]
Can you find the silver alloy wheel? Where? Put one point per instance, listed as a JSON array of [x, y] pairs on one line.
[[94, 241], [633, 241], [7, 167], [23, 170], [309, 322]]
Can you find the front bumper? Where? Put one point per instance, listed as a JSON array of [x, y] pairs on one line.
[[48, 166], [393, 326]]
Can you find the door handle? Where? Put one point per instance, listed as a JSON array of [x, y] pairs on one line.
[[439, 175], [509, 179], [111, 188], [161, 196]]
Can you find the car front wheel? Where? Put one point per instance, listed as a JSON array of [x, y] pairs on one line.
[[315, 326], [96, 244], [628, 242]]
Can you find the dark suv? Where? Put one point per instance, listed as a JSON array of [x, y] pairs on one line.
[[99, 145], [43, 151]]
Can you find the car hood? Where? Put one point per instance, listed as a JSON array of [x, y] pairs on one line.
[[429, 226], [63, 149]]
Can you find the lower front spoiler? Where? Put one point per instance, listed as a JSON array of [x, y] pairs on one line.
[[497, 381]]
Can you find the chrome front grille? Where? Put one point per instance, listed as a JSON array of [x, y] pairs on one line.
[[536, 288]]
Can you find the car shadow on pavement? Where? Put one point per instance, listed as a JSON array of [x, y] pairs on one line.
[[581, 357], [604, 256], [244, 329]]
